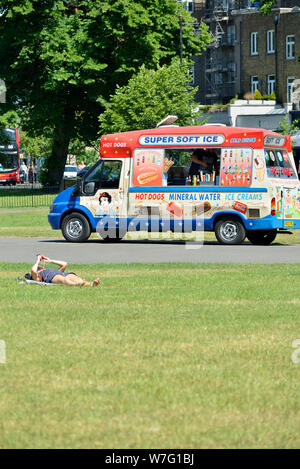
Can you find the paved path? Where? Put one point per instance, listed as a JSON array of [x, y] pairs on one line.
[[94, 251]]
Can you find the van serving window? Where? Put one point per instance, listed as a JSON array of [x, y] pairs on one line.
[[191, 167]]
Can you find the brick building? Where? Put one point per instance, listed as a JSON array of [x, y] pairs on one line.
[[266, 52], [244, 56]]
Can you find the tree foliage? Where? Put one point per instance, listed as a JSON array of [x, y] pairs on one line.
[[83, 153], [286, 128], [61, 60], [265, 6], [149, 96], [35, 147]]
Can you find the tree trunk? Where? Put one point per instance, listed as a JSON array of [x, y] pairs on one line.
[[56, 164]]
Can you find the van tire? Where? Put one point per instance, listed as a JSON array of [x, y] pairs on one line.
[[230, 231], [75, 228], [262, 237]]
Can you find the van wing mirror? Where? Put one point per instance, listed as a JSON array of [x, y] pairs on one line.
[[89, 188]]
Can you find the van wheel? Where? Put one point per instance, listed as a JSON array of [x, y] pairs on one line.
[[75, 228], [262, 237], [230, 231]]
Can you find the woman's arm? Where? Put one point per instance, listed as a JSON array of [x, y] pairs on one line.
[[34, 273], [62, 264]]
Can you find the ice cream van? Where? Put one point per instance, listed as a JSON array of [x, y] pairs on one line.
[[246, 185]]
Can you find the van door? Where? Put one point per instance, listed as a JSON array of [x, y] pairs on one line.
[[106, 183]]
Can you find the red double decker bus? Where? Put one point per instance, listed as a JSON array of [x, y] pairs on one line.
[[9, 156]]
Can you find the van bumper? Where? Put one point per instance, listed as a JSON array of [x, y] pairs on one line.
[[54, 220], [272, 223]]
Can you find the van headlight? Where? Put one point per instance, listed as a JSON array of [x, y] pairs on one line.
[[51, 207]]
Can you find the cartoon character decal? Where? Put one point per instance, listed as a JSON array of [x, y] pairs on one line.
[[106, 206], [287, 202]]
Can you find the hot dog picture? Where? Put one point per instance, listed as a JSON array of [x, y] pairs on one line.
[[147, 177]]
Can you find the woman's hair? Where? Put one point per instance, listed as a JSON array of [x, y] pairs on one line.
[[28, 276]]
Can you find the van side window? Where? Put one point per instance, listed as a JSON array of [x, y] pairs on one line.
[[106, 175], [110, 176], [278, 164]]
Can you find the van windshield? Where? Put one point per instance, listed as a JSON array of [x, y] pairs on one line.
[[278, 164]]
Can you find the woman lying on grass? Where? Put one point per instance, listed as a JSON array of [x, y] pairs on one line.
[[41, 274]]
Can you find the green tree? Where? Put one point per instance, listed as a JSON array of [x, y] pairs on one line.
[[266, 6], [149, 96], [286, 128], [61, 60], [83, 153], [35, 147]]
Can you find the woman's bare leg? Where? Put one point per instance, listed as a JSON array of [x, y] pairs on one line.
[[73, 280]]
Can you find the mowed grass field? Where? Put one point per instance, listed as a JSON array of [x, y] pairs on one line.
[[33, 222], [159, 356]]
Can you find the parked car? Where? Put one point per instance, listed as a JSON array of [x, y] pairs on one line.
[[71, 172]]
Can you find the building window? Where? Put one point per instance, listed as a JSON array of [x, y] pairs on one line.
[[270, 41], [231, 72], [187, 5], [271, 84], [254, 84], [231, 34], [290, 88], [290, 47], [254, 48], [218, 78]]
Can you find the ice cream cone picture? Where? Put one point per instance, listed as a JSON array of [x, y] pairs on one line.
[[260, 168], [167, 164]]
